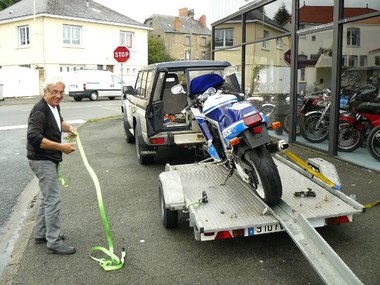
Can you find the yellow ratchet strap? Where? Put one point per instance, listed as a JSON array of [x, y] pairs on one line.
[[309, 169], [115, 262]]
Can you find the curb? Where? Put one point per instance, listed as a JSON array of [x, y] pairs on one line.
[[19, 229]]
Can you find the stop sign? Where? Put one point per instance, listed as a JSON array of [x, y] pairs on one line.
[[121, 54]]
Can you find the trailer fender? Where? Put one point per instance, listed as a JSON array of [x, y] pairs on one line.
[[326, 168], [171, 185]]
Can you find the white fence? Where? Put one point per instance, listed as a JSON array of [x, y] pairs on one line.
[[19, 82]]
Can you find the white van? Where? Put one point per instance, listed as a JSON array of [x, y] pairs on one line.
[[93, 84]]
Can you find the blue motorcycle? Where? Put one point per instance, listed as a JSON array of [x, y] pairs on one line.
[[236, 133]]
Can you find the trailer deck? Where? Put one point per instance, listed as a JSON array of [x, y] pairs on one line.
[[232, 209]]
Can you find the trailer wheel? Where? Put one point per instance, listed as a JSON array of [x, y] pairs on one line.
[[169, 218]]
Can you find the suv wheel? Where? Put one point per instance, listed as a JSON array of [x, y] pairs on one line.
[[141, 146], [94, 96]]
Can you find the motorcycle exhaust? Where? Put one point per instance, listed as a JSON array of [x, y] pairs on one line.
[[280, 145]]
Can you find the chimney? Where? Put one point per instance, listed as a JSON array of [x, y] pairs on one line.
[[202, 20], [183, 12], [177, 24]]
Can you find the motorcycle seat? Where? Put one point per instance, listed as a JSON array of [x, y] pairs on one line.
[[369, 107]]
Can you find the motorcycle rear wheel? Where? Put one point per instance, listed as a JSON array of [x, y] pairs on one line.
[[309, 130], [349, 138], [373, 143], [264, 176]]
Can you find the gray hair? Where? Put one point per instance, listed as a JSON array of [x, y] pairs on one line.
[[53, 81]]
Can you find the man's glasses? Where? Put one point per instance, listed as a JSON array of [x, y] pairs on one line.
[[56, 92]]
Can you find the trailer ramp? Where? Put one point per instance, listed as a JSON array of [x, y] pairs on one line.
[[329, 266]]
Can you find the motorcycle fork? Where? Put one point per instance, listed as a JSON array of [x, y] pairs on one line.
[[322, 116]]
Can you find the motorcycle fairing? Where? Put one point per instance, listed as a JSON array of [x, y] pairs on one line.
[[212, 151], [214, 107], [234, 130], [202, 124]]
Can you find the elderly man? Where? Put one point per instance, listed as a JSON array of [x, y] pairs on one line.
[[44, 151]]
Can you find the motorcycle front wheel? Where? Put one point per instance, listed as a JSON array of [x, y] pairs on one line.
[[313, 133], [349, 138], [373, 143], [264, 176]]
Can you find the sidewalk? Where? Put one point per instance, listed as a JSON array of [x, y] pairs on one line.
[[158, 256]]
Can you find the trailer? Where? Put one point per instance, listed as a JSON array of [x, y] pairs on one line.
[[222, 206]]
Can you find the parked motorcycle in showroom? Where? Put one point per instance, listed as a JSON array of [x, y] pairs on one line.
[[236, 133], [315, 125], [373, 143], [362, 116], [271, 111]]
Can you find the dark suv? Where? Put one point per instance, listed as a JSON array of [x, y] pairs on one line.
[[152, 113]]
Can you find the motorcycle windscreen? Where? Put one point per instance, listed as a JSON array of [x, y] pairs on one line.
[[201, 83]]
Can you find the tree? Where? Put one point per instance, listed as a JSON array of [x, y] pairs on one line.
[[6, 3], [157, 51], [282, 15]]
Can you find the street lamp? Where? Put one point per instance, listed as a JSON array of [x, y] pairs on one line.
[[190, 17]]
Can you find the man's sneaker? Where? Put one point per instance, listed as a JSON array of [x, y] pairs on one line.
[[62, 249], [43, 240]]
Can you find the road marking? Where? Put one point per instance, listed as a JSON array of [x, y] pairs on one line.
[[25, 126]]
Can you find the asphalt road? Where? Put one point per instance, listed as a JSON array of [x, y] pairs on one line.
[[156, 255]]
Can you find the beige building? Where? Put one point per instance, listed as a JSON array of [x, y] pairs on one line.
[[184, 37], [260, 56], [52, 37]]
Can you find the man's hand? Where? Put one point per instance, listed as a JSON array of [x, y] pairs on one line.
[[67, 148]]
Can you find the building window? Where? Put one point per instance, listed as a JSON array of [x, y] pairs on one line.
[[266, 43], [353, 37], [203, 55], [313, 38], [224, 38], [187, 54], [203, 41], [353, 60], [363, 60], [280, 43], [72, 35], [23, 36], [126, 39], [187, 40]]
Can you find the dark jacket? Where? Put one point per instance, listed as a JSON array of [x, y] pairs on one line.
[[42, 124]]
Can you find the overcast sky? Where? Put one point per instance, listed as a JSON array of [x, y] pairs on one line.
[[139, 10]]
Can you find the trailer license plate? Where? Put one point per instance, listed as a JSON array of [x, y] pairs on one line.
[[266, 229]]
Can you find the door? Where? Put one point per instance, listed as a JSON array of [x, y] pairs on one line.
[[154, 114]]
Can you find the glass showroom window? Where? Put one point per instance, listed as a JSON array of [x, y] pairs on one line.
[[224, 38], [126, 39], [23, 36], [72, 35]]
